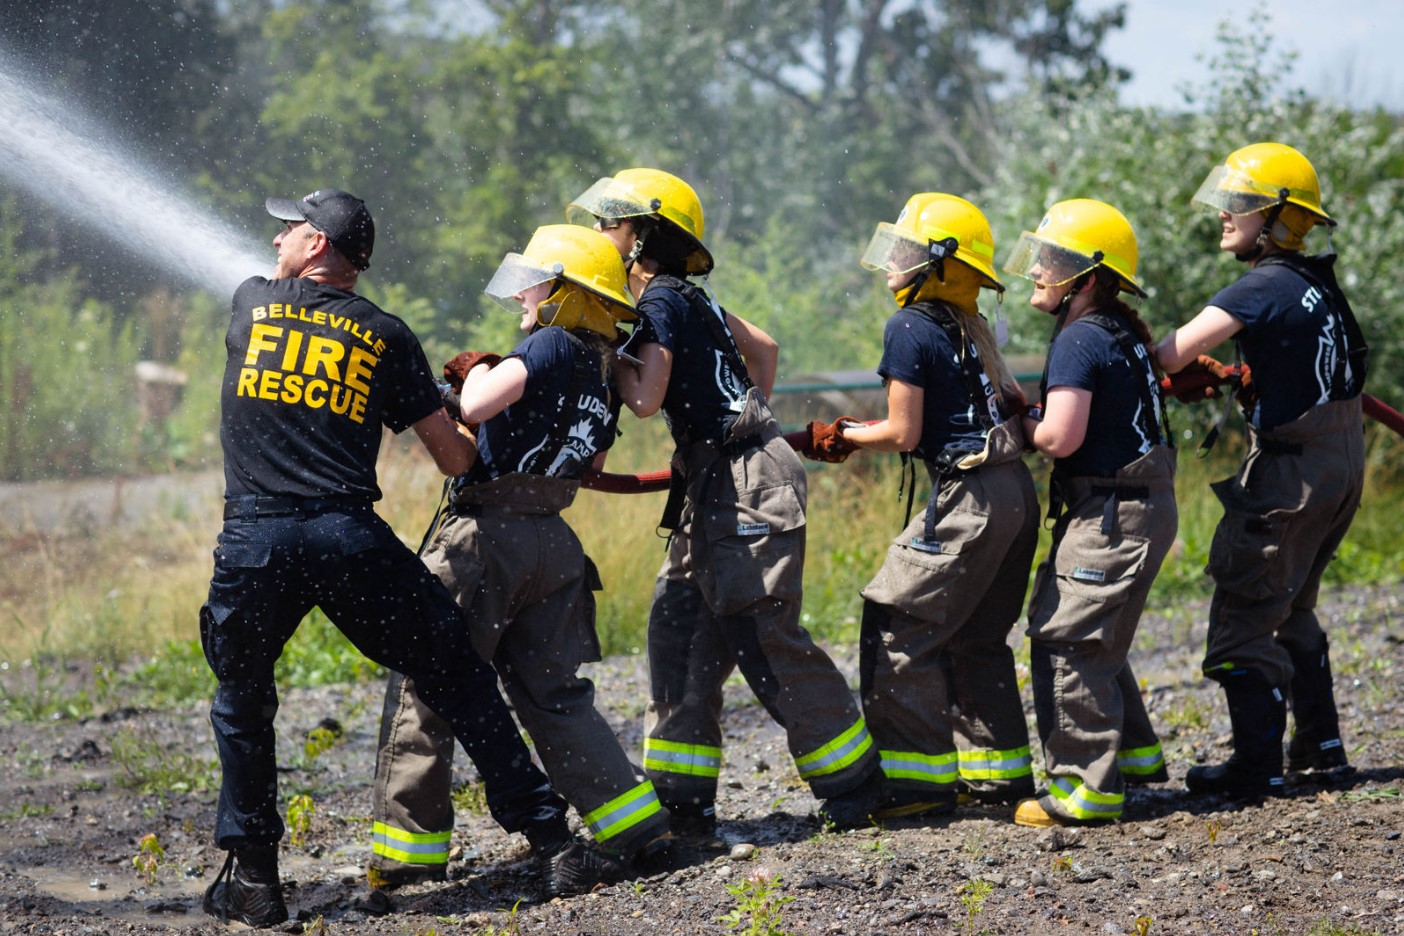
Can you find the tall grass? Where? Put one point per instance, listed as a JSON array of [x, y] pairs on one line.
[[111, 596]]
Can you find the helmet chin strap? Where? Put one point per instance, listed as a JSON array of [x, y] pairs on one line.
[[642, 227], [915, 285], [1260, 244]]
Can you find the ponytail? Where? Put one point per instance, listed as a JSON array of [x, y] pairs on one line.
[[978, 330], [1106, 296]]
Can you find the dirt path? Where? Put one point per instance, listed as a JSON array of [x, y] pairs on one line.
[[1329, 851]]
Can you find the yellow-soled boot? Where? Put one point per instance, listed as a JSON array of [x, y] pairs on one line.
[[1030, 812]]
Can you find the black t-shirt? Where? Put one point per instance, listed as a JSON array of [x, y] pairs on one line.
[[513, 440], [917, 351], [704, 393], [312, 374], [1087, 356], [1292, 339]]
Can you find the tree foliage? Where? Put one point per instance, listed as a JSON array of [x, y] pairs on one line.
[[802, 123]]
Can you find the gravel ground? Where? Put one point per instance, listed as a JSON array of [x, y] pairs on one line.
[[1328, 854]]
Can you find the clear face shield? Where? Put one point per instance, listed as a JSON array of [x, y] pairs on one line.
[[604, 202], [516, 274], [1230, 190], [894, 251], [1047, 263]]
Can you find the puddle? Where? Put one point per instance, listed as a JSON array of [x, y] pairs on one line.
[[116, 895]]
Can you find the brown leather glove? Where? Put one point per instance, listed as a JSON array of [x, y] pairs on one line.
[[456, 370], [826, 442], [1200, 378]]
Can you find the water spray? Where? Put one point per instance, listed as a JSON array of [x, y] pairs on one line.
[[76, 166]]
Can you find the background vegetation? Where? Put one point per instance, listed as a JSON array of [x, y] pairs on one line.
[[802, 123]]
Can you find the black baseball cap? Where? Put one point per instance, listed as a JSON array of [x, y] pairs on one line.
[[340, 215]]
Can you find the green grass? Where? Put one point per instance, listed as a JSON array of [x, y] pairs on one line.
[[90, 619]]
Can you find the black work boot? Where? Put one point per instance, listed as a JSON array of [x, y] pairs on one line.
[[694, 822], [576, 868], [657, 857], [1316, 738], [1258, 714], [247, 889], [910, 804], [854, 809]]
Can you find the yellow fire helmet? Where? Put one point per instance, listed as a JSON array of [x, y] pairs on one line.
[[1075, 237], [650, 193], [1257, 177], [931, 228], [591, 287]]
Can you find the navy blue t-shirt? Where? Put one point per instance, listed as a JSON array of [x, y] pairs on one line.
[[1292, 338], [514, 439], [704, 393], [1086, 356], [312, 374], [917, 351]]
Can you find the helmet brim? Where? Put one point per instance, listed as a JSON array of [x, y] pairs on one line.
[[516, 274], [1048, 264]]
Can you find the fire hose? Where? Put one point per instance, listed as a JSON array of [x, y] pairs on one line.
[[657, 480], [651, 481], [1375, 408]]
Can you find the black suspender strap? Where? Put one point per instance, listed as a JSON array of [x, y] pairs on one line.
[[559, 435], [1134, 351], [715, 316], [977, 385], [1320, 271], [979, 391]]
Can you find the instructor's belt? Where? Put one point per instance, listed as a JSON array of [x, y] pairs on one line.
[[252, 506]]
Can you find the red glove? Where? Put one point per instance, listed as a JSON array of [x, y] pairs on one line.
[[1199, 380], [826, 442], [456, 370]]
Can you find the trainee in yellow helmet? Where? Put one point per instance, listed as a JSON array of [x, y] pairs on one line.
[[1271, 177], [933, 227], [1075, 237], [647, 193], [591, 287]]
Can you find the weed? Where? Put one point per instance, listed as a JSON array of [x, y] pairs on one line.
[[470, 798], [148, 768], [880, 850], [150, 857], [301, 809], [1325, 927], [972, 897], [759, 907], [39, 688], [512, 927], [33, 763], [1063, 864], [1191, 713], [1212, 827], [26, 811], [318, 741], [1384, 793], [317, 927], [974, 845], [177, 675], [1142, 926]]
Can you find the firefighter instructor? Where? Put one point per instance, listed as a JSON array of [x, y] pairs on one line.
[[313, 373]]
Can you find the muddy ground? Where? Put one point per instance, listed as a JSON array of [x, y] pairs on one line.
[[1330, 854]]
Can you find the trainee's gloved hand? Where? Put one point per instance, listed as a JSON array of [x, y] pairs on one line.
[[454, 405], [1196, 387], [826, 442], [456, 370]]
